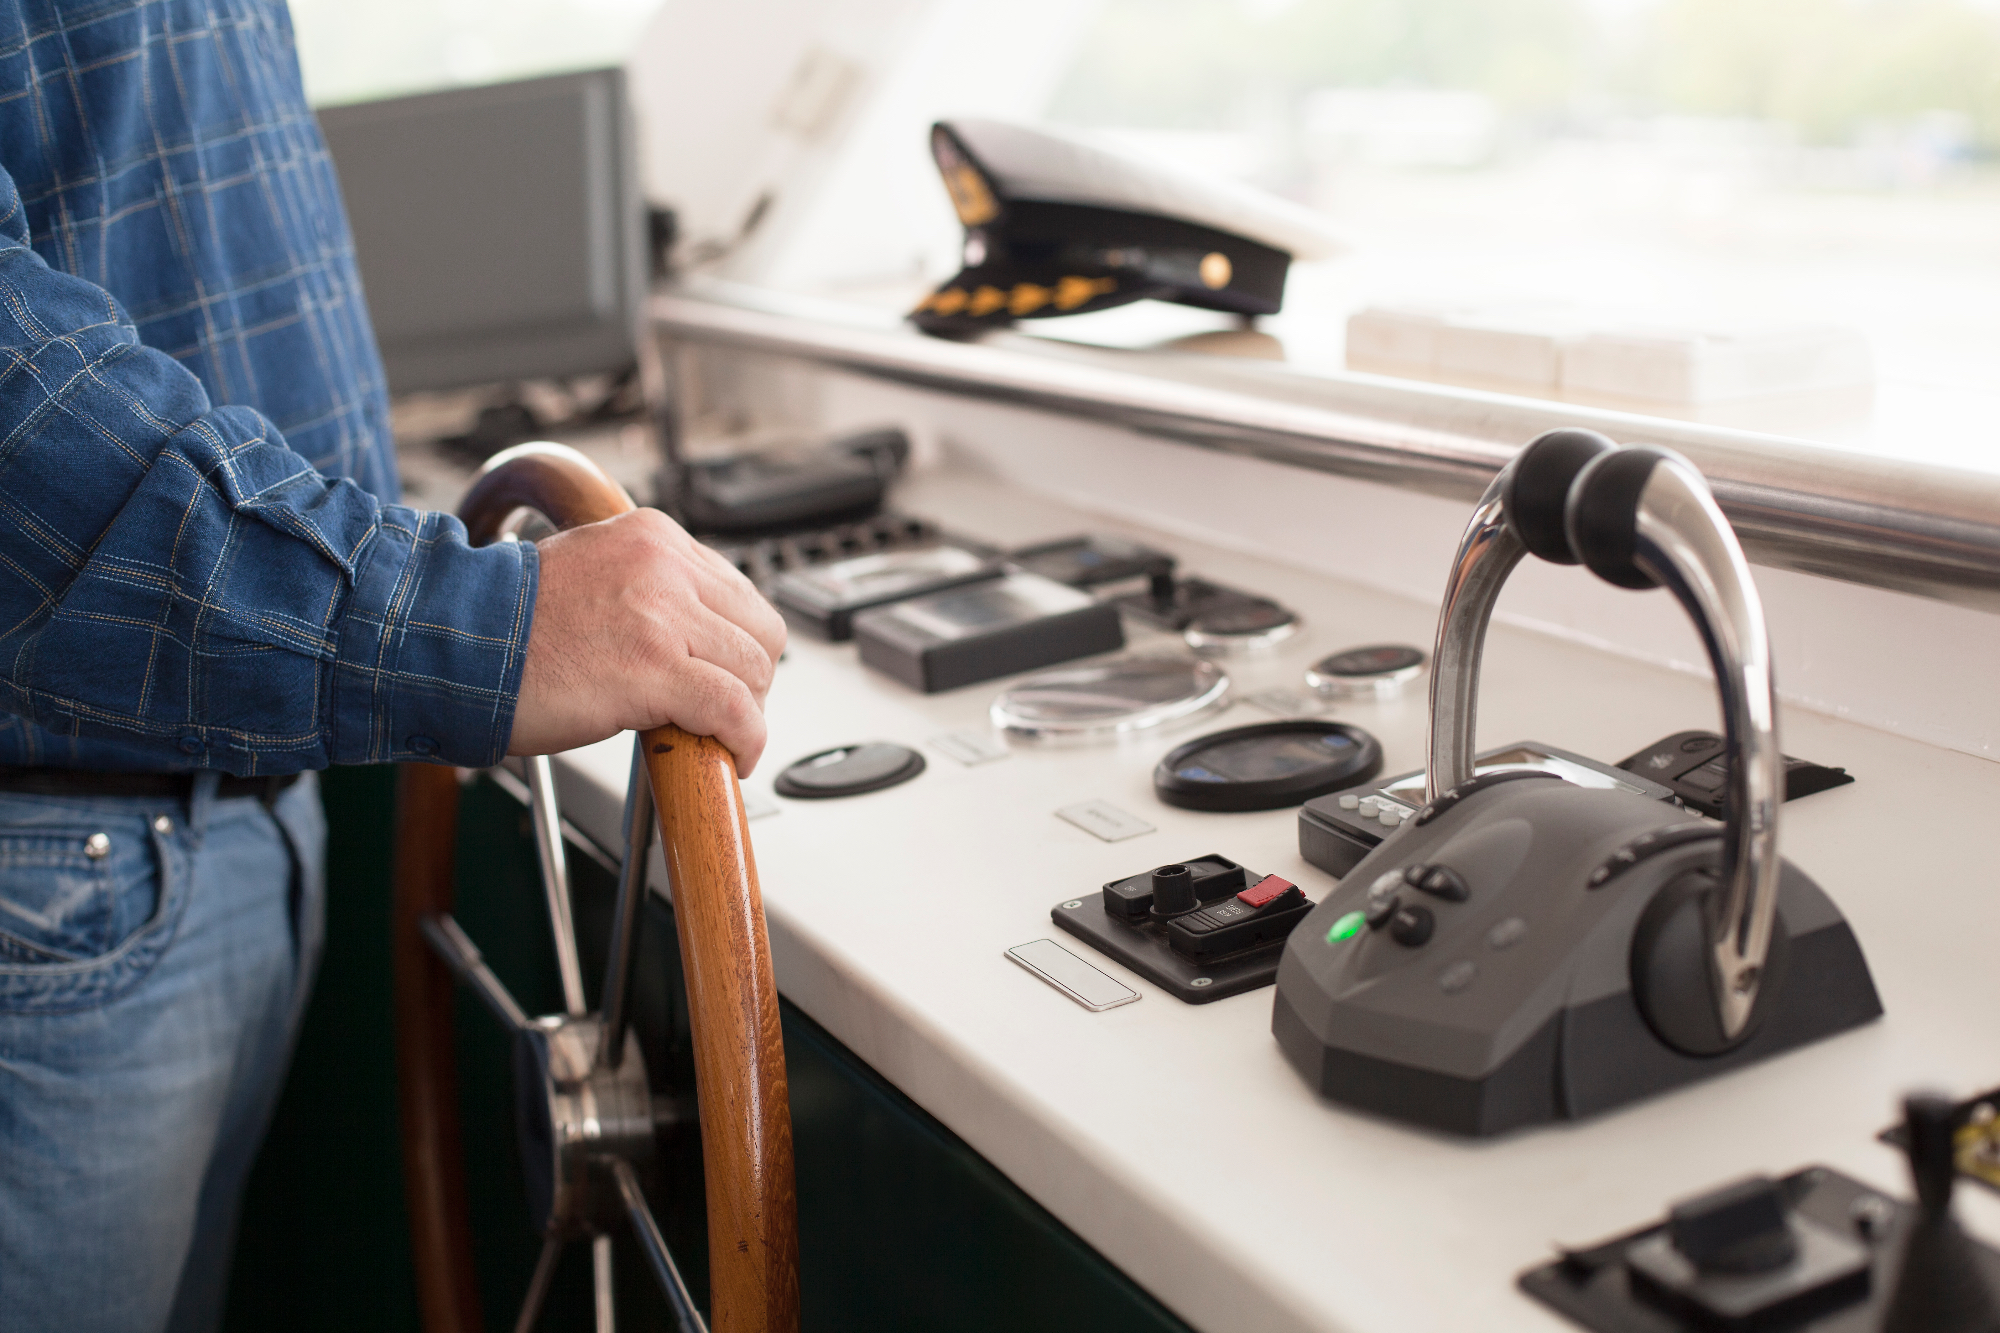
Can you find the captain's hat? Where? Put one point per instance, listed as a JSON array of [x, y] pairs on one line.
[[1056, 224]]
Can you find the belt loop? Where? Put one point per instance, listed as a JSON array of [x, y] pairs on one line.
[[201, 797]]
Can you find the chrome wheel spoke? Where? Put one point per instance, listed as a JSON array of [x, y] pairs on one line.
[[655, 1246], [625, 921], [462, 956], [538, 1285], [547, 821], [600, 1272]]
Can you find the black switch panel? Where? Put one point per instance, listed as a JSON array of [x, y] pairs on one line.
[[1689, 764], [1227, 941], [1833, 1271]]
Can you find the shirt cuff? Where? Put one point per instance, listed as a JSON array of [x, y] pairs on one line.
[[430, 645]]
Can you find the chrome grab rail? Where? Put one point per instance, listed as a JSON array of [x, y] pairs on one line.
[[1913, 528]]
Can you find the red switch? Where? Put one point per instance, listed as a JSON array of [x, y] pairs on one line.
[[1265, 891]]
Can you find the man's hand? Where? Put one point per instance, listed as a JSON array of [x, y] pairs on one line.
[[636, 625]]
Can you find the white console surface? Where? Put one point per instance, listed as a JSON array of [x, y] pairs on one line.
[[1175, 1138]]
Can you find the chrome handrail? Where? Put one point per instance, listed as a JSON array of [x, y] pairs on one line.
[[1910, 527]]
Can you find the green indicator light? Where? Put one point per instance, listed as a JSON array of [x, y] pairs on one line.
[[1347, 927]]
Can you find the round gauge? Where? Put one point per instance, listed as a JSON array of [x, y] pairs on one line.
[[1266, 767], [1247, 626], [1381, 669], [848, 770], [1103, 700]]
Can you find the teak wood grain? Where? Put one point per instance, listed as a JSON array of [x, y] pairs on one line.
[[426, 1072], [746, 1124]]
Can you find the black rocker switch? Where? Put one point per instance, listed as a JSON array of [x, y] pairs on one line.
[[1209, 877], [1261, 914]]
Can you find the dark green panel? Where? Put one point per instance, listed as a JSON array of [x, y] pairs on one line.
[[323, 1242], [902, 1226]]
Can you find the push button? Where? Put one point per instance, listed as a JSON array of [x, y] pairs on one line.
[[1411, 925], [1444, 882], [1457, 977], [1383, 895], [1506, 934]]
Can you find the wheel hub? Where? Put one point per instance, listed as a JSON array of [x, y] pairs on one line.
[[574, 1119]]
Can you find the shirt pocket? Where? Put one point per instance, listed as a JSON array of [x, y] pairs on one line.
[[68, 896]]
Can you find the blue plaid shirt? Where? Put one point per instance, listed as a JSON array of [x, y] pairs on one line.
[[202, 564]]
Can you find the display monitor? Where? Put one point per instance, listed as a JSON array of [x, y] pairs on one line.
[[500, 230]]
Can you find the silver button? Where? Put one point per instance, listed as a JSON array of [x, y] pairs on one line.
[[97, 846], [1387, 819], [1349, 802], [163, 825], [1457, 977], [1367, 805], [1507, 933], [1386, 883]]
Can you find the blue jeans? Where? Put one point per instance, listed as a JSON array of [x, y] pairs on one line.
[[155, 957]]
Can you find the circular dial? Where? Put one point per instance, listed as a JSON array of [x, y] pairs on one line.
[[1240, 627], [1266, 767], [1110, 698], [1379, 669]]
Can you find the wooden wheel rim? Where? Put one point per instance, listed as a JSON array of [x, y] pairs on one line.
[[725, 957]]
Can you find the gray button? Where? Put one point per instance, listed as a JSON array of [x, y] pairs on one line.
[[1457, 977], [1386, 883], [1349, 802], [1506, 934], [1368, 805], [1387, 819]]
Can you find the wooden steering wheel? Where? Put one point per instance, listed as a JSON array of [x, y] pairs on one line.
[[581, 1082]]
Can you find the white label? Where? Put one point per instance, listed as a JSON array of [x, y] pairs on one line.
[[1288, 703], [969, 747], [1104, 820], [1072, 976]]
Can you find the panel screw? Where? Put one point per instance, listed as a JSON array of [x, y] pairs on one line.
[[1202, 981], [1872, 1215], [97, 846], [1074, 903]]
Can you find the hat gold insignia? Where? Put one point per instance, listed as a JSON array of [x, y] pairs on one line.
[[970, 195], [1027, 298], [948, 302], [1216, 270], [1073, 291], [985, 301]]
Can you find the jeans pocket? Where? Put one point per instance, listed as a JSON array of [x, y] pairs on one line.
[[86, 904]]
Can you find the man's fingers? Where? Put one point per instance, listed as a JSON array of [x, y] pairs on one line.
[[737, 600], [729, 646], [709, 701]]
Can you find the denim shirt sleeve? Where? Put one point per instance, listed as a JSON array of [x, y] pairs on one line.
[[175, 578]]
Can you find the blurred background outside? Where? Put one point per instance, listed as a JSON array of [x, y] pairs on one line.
[[1792, 161]]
